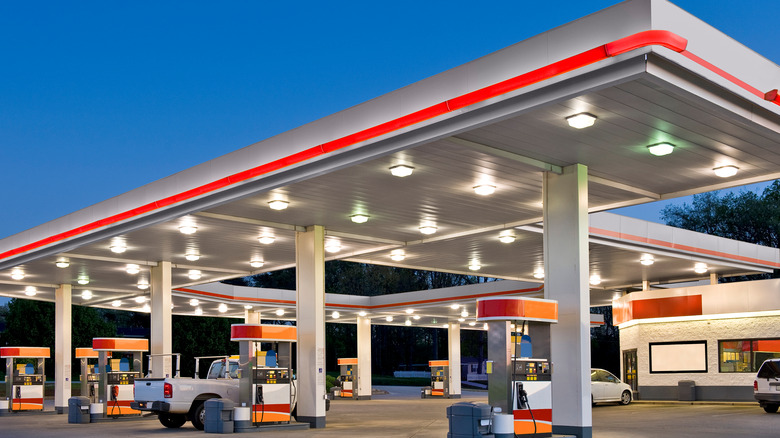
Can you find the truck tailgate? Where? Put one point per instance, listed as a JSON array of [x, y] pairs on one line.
[[149, 389]]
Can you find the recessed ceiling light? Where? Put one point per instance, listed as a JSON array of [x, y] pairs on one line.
[[194, 274], [647, 259], [140, 300], [116, 303], [416, 317], [117, 248], [455, 306], [132, 269], [700, 268], [83, 280], [410, 311], [278, 204], [198, 311], [194, 302], [401, 170], [142, 284], [332, 246], [30, 291], [408, 322], [248, 306], [539, 273], [222, 308], [445, 326], [461, 319], [726, 171], [335, 314], [188, 229], [362, 313], [595, 279], [484, 189], [86, 295], [146, 308], [397, 255], [191, 256], [17, 274], [475, 266], [428, 229], [62, 263], [279, 312], [359, 218], [389, 318], [581, 120], [661, 149], [256, 263], [484, 326], [464, 313], [507, 236], [472, 323], [266, 239]]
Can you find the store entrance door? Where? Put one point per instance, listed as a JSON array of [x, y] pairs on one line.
[[629, 370]]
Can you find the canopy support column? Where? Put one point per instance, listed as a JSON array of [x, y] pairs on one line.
[[364, 358], [453, 354], [62, 347], [566, 280], [310, 304], [161, 321]]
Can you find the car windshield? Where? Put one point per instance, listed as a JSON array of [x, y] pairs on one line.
[[770, 370]]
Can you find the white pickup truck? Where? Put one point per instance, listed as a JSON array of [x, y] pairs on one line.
[[176, 400]]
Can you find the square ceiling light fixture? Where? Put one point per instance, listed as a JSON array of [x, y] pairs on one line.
[[661, 149], [726, 171], [581, 120], [401, 170]]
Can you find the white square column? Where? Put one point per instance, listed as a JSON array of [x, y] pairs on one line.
[[63, 351], [453, 354], [566, 280], [310, 305], [364, 389], [161, 341]]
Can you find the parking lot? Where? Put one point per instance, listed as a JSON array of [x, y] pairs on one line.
[[401, 413]]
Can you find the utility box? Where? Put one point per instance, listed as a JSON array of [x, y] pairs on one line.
[[219, 415], [468, 420], [78, 410], [686, 390]]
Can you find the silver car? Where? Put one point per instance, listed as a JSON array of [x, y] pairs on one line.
[[766, 387], [605, 387]]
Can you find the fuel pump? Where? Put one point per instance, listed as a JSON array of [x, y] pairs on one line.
[[25, 377], [440, 379], [119, 364], [348, 377], [520, 372], [90, 377], [267, 383]]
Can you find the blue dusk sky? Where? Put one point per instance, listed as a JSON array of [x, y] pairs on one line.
[[100, 97]]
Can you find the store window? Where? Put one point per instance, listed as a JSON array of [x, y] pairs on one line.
[[746, 355]]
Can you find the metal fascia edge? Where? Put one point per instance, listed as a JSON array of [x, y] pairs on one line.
[[662, 38]]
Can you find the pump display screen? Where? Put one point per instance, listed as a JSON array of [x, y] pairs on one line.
[[122, 378], [30, 379], [530, 370], [271, 375]]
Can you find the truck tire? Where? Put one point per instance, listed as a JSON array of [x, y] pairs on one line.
[[771, 408], [173, 421], [197, 415]]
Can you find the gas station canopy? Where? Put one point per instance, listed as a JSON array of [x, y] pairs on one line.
[[475, 142]]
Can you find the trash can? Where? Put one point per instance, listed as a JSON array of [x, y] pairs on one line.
[[78, 410], [219, 415], [468, 420], [686, 390]]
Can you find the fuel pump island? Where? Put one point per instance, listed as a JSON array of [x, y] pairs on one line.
[[519, 379], [24, 381], [117, 375]]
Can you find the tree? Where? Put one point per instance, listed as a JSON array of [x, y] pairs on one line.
[[201, 336], [746, 216]]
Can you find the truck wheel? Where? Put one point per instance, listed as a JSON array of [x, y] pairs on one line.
[[771, 409], [172, 421], [198, 416]]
